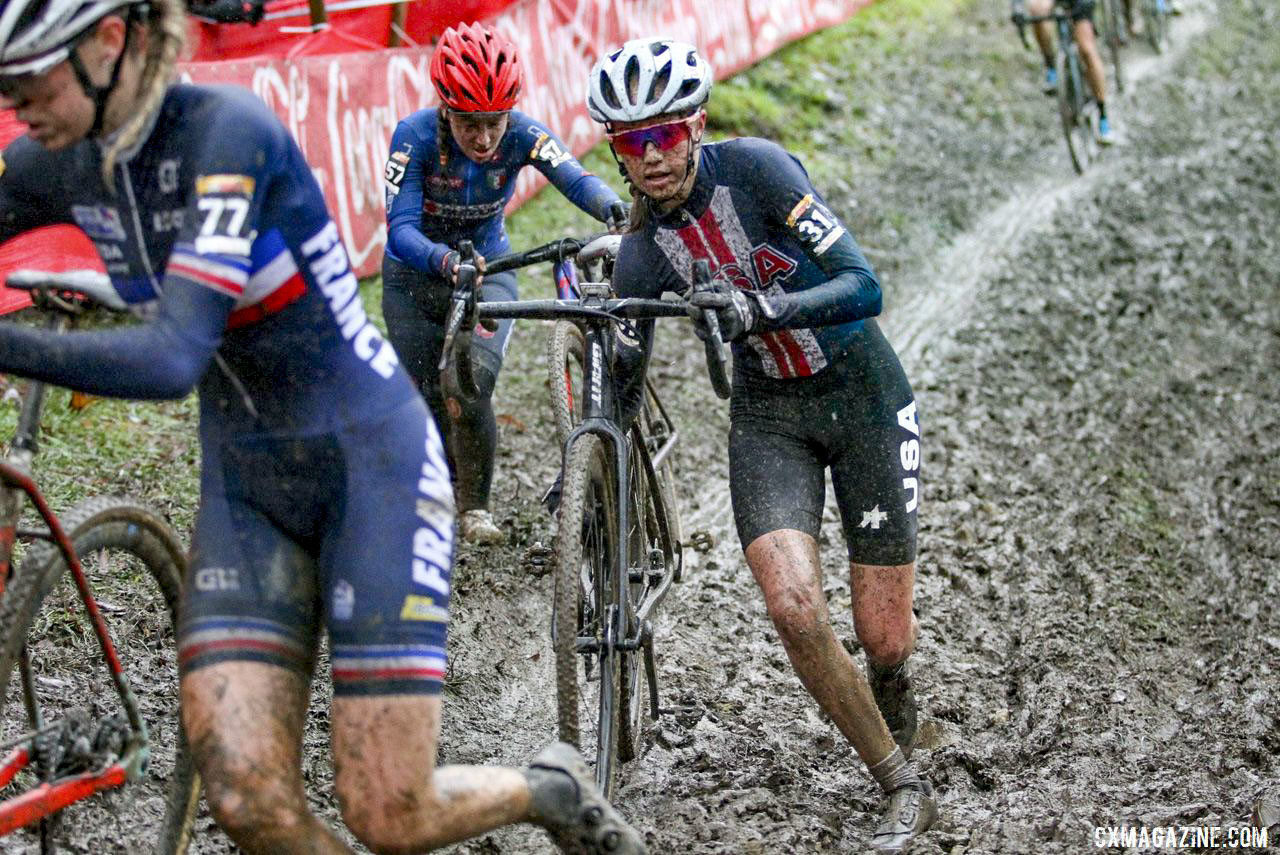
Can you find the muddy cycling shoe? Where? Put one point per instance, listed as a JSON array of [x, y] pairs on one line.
[[912, 810], [1050, 85], [564, 800], [891, 687], [477, 527]]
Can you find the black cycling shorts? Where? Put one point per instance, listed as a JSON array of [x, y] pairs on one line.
[[414, 305], [1082, 9], [856, 417]]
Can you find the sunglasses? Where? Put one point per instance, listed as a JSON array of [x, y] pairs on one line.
[[666, 137]]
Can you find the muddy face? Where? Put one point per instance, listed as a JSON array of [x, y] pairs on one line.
[[478, 134]]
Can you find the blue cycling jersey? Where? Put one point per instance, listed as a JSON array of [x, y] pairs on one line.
[[755, 217], [431, 207], [324, 494], [217, 228]]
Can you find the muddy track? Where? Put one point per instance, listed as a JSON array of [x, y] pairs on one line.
[[1095, 359]]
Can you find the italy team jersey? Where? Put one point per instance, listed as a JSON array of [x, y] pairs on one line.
[[431, 207]]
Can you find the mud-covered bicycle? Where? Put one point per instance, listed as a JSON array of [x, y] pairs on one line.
[[73, 736], [1077, 107], [618, 545]]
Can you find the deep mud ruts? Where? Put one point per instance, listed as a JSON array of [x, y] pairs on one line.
[[1101, 517]]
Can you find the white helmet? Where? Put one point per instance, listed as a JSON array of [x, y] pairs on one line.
[[36, 35], [646, 78]]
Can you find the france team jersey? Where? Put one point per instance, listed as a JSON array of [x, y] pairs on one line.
[[325, 500], [217, 230], [430, 208], [756, 218]]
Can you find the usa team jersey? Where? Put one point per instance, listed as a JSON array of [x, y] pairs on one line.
[[756, 218], [217, 230], [430, 209]]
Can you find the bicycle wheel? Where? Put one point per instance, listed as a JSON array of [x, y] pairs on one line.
[[1112, 17], [1071, 100], [134, 563], [565, 349], [651, 553], [585, 603], [656, 431], [1155, 19]]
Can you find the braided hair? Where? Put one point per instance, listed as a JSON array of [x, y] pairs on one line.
[[166, 23]]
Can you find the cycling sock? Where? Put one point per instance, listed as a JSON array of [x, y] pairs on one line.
[[894, 771], [1102, 109]]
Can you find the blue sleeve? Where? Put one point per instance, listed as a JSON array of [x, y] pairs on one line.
[[553, 159], [207, 269], [163, 358], [852, 289], [405, 179]]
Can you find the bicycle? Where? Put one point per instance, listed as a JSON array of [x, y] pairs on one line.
[[70, 743], [1076, 105], [617, 547], [1112, 33], [1155, 23]]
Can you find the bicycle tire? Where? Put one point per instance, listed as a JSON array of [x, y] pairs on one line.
[[1156, 23], [586, 588], [1113, 15], [566, 348], [1070, 105], [654, 430], [97, 528], [648, 530]]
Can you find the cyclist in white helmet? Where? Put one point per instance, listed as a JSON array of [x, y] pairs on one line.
[[325, 504], [815, 387]]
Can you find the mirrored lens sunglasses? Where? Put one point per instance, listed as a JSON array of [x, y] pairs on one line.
[[665, 137]]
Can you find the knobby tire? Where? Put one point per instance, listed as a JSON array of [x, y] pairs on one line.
[[100, 529], [1070, 106], [586, 589]]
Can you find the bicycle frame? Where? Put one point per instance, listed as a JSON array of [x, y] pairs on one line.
[[50, 797], [595, 314]]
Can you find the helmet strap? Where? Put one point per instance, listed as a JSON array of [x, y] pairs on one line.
[[689, 174], [99, 94]]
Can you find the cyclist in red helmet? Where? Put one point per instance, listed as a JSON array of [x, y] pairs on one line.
[[451, 171]]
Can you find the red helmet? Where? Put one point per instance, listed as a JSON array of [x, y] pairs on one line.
[[475, 70]]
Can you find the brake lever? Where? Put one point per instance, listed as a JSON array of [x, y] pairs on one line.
[[462, 307]]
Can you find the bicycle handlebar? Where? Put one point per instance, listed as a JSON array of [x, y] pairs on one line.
[[554, 251], [457, 377], [712, 343], [631, 308]]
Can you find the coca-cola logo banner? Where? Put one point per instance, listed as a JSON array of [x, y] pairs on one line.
[[343, 108]]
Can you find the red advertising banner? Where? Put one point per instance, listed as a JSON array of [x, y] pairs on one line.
[[342, 108]]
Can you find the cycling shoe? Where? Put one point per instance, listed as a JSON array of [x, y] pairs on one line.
[[564, 800], [912, 810]]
